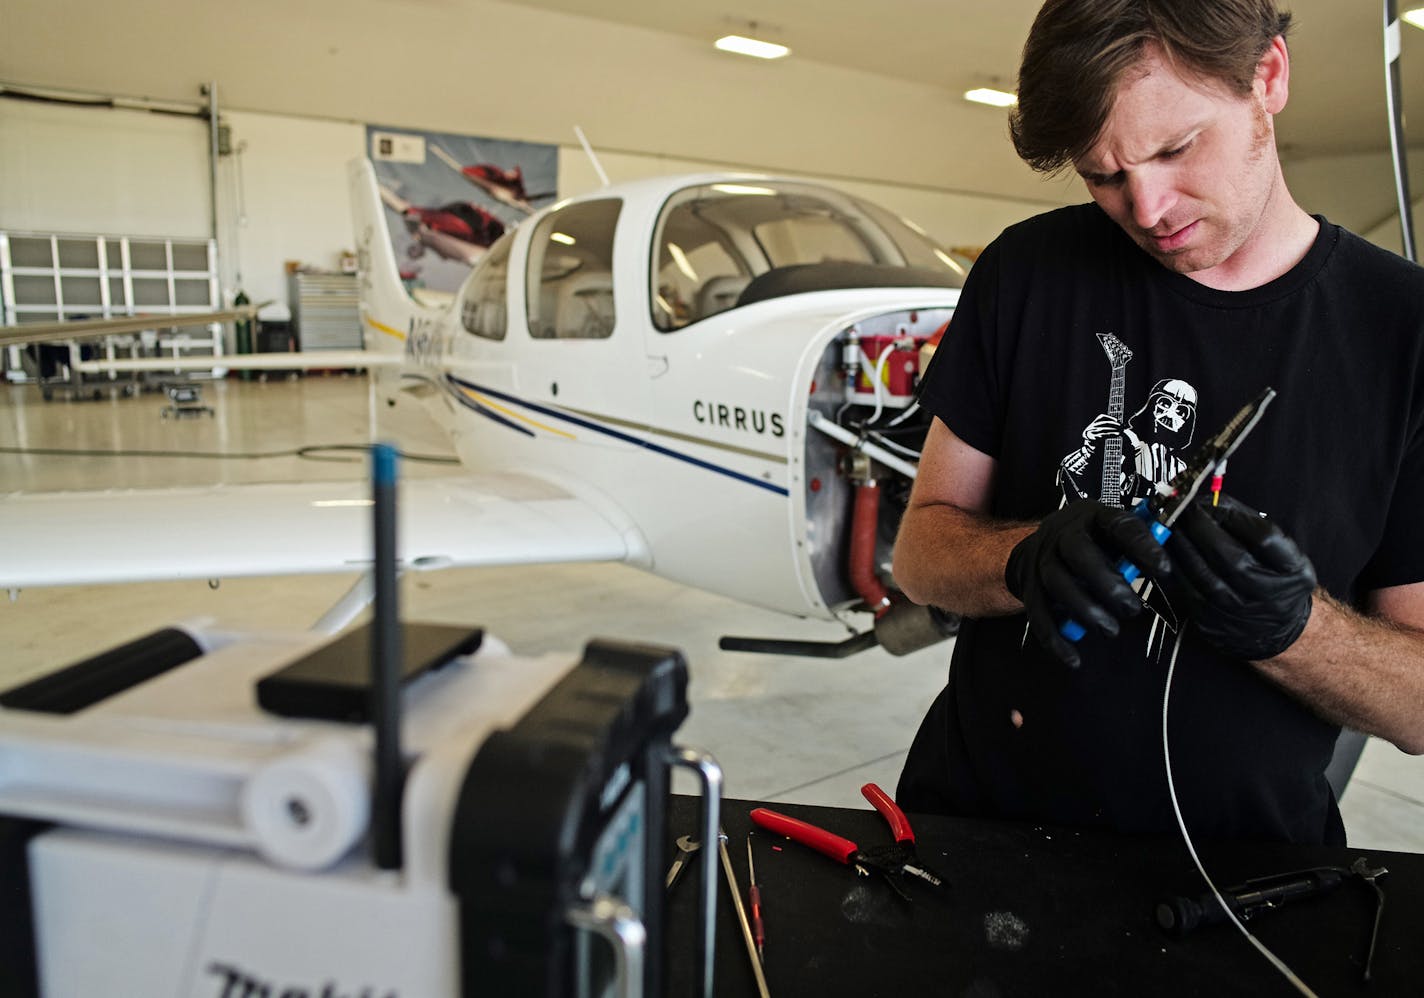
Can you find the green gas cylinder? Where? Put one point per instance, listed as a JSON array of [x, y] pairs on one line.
[[243, 329]]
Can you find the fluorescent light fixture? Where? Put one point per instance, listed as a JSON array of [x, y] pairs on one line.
[[1414, 17], [751, 47], [339, 503], [562, 237], [741, 189], [995, 98]]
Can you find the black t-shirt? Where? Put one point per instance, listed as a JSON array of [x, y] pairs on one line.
[[1064, 319]]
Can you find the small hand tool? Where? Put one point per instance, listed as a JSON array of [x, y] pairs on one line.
[[686, 846], [1208, 463], [754, 896], [1361, 868], [894, 862], [757, 971], [1180, 915]]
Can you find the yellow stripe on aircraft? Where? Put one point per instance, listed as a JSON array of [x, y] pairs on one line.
[[482, 400], [383, 328]]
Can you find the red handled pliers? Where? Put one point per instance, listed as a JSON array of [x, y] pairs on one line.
[[894, 862]]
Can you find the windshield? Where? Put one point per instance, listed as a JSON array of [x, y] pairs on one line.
[[723, 245]]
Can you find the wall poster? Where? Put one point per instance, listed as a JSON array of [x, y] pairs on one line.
[[449, 197]]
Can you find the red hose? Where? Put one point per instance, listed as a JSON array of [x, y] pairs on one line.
[[863, 529]]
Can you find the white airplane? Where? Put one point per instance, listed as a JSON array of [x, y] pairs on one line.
[[708, 377]]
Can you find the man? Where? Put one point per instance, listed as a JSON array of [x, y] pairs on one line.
[[1196, 260]]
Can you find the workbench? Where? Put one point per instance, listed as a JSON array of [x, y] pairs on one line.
[[1036, 910]]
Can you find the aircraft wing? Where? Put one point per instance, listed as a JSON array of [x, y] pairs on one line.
[[79, 329], [298, 361], [225, 531]]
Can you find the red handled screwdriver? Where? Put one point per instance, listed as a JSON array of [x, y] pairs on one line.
[[754, 894]]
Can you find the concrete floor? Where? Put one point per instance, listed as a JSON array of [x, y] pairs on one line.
[[783, 729]]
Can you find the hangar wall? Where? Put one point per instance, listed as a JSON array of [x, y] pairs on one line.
[[283, 197]]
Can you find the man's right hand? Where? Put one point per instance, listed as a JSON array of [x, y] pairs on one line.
[[1065, 569]]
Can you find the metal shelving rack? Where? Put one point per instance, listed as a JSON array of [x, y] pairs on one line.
[[325, 310], [47, 277]]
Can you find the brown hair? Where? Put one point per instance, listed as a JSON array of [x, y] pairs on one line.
[[1078, 50]]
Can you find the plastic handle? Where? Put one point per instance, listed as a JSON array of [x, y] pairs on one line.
[[839, 849], [899, 824], [1074, 631]]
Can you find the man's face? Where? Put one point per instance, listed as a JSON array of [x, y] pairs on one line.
[[1186, 168]]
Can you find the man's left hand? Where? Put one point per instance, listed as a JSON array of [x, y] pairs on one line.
[[1248, 586]]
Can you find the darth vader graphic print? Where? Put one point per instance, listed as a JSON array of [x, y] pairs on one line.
[[1122, 459]]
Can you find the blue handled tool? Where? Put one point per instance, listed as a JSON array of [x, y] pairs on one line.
[[1161, 509]]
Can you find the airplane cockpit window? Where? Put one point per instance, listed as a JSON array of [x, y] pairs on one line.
[[569, 280], [723, 245], [483, 309]]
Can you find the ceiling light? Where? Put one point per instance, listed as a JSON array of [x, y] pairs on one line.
[[742, 189], [563, 237], [996, 98], [1414, 17], [751, 47]]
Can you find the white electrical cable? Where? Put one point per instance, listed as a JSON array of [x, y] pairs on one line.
[[897, 448], [914, 408], [836, 432], [1276, 961]]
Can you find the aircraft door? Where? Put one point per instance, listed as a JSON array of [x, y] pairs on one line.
[[720, 395], [586, 357]]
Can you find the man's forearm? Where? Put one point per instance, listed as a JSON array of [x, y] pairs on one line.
[[1361, 671], [948, 557]]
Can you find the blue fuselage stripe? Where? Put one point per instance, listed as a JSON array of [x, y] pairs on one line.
[[608, 432]]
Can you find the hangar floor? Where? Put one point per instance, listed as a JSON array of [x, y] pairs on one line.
[[783, 728]]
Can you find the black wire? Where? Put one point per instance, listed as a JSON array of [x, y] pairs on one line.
[[312, 452]]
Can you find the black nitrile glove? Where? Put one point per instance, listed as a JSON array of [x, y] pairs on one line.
[[1064, 570], [1248, 587]]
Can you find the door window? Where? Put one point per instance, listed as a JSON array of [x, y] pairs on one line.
[[570, 273]]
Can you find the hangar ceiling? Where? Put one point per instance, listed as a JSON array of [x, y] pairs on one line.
[[1337, 101]]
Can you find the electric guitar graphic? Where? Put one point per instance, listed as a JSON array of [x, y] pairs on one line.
[[1118, 357]]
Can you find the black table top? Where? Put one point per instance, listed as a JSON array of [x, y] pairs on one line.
[[1037, 910]]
